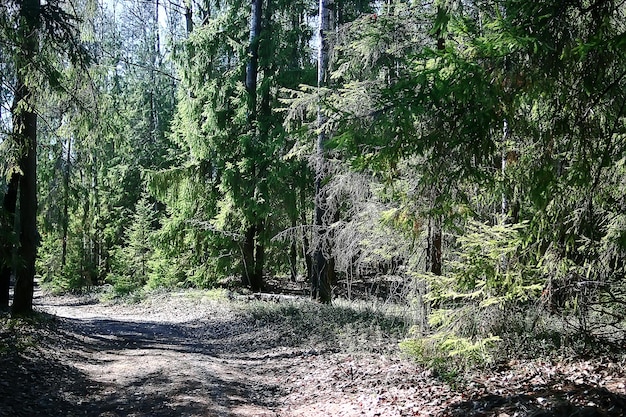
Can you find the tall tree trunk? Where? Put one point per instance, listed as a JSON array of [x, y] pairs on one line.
[[308, 259], [504, 209], [320, 277], [434, 259], [293, 247], [248, 256], [156, 64], [254, 250], [252, 68], [6, 250], [25, 131], [66, 197], [257, 283]]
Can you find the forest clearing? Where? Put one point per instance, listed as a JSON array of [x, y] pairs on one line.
[[199, 353]]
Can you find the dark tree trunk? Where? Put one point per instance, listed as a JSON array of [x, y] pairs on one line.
[[25, 124], [254, 249], [253, 258], [252, 68], [188, 17], [66, 196], [7, 231], [257, 283], [434, 262], [320, 276], [308, 260], [293, 251], [25, 132], [248, 256], [434, 245]]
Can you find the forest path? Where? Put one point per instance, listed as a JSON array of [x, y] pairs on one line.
[[164, 358]]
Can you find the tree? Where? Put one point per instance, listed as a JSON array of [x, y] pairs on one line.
[[25, 135], [443, 105], [320, 274], [235, 184]]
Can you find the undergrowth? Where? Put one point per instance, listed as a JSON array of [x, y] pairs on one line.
[[346, 326]]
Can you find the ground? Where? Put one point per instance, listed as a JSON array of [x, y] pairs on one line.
[[197, 353]]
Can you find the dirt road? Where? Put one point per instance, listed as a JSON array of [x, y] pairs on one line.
[[164, 359], [188, 355]]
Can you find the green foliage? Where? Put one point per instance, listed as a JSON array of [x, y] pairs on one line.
[[497, 111], [356, 327], [231, 177], [490, 268], [487, 278], [448, 355], [131, 263], [503, 122]]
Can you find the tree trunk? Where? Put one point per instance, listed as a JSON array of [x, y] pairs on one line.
[[27, 252], [253, 258], [257, 283], [6, 250], [434, 245], [434, 262], [66, 196], [293, 250], [25, 131], [254, 249], [188, 17], [320, 277], [252, 68], [308, 259]]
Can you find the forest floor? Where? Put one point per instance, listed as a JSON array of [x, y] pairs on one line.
[[198, 353]]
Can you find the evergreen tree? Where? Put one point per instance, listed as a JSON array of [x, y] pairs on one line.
[[230, 134], [475, 72]]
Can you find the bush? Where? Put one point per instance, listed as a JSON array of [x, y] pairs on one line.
[[487, 279]]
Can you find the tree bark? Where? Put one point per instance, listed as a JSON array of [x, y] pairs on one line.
[[320, 276], [25, 132], [6, 250], [66, 197], [25, 126], [252, 68], [188, 17], [434, 245], [254, 249], [434, 259], [308, 259]]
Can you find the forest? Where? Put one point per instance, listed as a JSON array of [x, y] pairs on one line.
[[463, 161]]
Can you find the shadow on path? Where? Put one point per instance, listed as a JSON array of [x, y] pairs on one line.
[[98, 366]]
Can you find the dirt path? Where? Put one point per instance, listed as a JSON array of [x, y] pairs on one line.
[[161, 359], [189, 354]]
